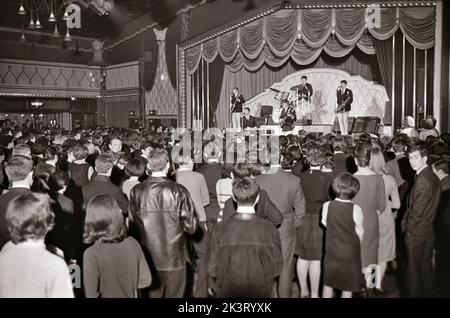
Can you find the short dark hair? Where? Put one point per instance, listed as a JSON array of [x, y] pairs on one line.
[[157, 160], [50, 153], [316, 156], [295, 152], [135, 167], [442, 165], [420, 147], [78, 150], [245, 191], [362, 153], [329, 161], [339, 143], [344, 81], [287, 162], [104, 221], [241, 171], [399, 143], [58, 180], [18, 168], [345, 186], [304, 77], [104, 163], [29, 216]]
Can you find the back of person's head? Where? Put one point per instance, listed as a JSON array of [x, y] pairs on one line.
[[227, 169], [21, 150], [439, 148], [365, 137], [295, 152], [339, 143], [104, 221], [362, 153], [345, 186], [158, 160], [429, 122], [79, 151], [399, 143], [316, 156], [241, 171], [38, 148], [29, 217], [135, 167], [58, 180], [104, 163], [245, 191], [441, 165], [377, 162], [18, 168]]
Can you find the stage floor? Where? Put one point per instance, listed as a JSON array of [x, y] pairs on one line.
[[325, 129]]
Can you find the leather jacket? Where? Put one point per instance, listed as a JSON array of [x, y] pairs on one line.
[[162, 211]]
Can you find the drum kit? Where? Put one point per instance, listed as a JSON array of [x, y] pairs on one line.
[[301, 105]]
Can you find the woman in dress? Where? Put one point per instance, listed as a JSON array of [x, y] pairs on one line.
[[309, 249], [372, 200], [386, 222]]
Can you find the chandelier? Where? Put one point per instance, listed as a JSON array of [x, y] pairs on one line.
[[53, 11], [50, 11]]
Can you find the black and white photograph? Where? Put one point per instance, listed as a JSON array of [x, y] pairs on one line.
[[228, 154]]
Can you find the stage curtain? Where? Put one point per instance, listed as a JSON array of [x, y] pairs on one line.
[[252, 83], [304, 33], [216, 74], [383, 49]]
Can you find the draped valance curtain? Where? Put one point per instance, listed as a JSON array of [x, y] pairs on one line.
[[302, 35]]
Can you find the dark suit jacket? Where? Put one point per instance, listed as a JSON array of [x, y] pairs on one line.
[[103, 185], [238, 102], [249, 123], [5, 198], [264, 209], [347, 96], [344, 163], [212, 173], [285, 191], [422, 205]]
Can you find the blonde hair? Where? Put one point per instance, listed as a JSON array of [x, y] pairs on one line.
[[377, 163]]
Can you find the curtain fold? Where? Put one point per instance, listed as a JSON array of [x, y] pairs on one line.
[[303, 34], [383, 49]]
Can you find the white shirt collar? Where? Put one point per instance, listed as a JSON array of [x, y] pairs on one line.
[[32, 243], [338, 152], [342, 200], [133, 178], [157, 174], [246, 209], [184, 169], [314, 168]]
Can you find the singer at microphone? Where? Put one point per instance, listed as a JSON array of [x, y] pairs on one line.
[[236, 103]]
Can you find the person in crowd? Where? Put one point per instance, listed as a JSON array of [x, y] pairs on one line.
[[442, 228], [315, 185], [285, 191], [344, 234], [409, 127], [224, 188], [134, 169], [195, 183], [386, 222], [27, 269], [19, 170], [212, 171], [115, 265], [417, 224], [245, 250], [21, 150], [372, 200], [101, 183], [264, 208], [80, 171], [429, 128], [162, 211], [342, 161], [115, 145]]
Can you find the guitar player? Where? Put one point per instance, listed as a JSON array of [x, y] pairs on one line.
[[236, 102], [344, 105]]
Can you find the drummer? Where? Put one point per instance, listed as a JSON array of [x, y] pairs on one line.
[[304, 90]]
